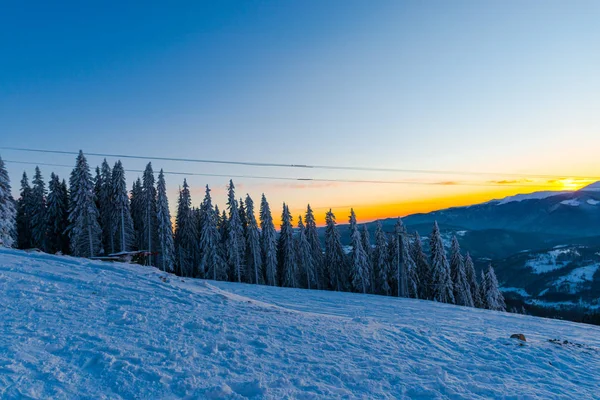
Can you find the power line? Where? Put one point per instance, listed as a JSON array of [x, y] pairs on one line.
[[305, 179], [302, 166]]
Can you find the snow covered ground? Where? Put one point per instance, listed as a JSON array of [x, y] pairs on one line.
[[73, 328]]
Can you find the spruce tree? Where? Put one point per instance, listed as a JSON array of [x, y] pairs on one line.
[[212, 265], [185, 234], [366, 242], [335, 258], [422, 265], [494, 298], [121, 218], [39, 221], [285, 251], [472, 281], [315, 246], [381, 265], [24, 212], [398, 266], [165, 227], [84, 229], [105, 202], [359, 262], [268, 240], [235, 237], [483, 290], [304, 256], [149, 216], [137, 213], [57, 216], [253, 251], [441, 281], [8, 213], [461, 287], [409, 267], [243, 218]]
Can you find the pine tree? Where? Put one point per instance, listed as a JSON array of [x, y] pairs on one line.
[[398, 266], [312, 236], [235, 237], [472, 281], [304, 256], [441, 281], [165, 227], [105, 203], [423, 270], [359, 262], [121, 218], [268, 240], [39, 222], [8, 213], [243, 218], [24, 212], [185, 233], [57, 216], [461, 287], [212, 265], [494, 298], [285, 251], [409, 267], [253, 251], [84, 229], [335, 259], [381, 266], [366, 242], [483, 290], [150, 215], [137, 213]]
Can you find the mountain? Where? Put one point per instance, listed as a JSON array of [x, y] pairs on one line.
[[75, 328]]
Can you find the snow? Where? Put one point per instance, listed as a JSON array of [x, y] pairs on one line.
[[594, 187], [593, 202], [528, 196], [519, 291], [75, 328], [549, 261], [572, 203], [576, 277]]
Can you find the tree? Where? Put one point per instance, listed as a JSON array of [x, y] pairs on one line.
[[235, 237], [137, 213], [366, 242], [381, 265], [8, 213], [253, 251], [121, 218], [312, 236], [359, 262], [212, 265], [335, 259], [304, 256], [84, 229], [24, 212], [57, 216], [185, 233], [105, 204], [472, 281], [461, 287], [268, 239], [423, 270], [494, 299], [409, 267], [39, 222], [441, 282], [150, 215], [165, 227], [285, 251], [397, 263], [483, 290]]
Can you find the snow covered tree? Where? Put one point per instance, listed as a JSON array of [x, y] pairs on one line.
[[472, 281], [409, 267], [366, 242], [461, 287], [24, 212], [165, 227], [423, 270], [304, 256], [8, 213], [381, 265], [494, 299], [315, 245], [57, 216], [243, 218], [335, 258], [185, 233], [105, 203], [39, 222], [398, 266], [285, 251], [212, 265], [441, 281], [150, 215], [268, 241], [137, 213], [235, 237], [359, 262], [121, 219], [253, 251], [483, 290], [84, 229]]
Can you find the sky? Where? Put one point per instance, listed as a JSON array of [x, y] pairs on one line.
[[505, 92]]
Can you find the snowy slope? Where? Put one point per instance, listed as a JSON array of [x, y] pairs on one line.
[[73, 328]]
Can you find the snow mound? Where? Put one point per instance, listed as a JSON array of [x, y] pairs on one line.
[[593, 202], [74, 328], [572, 203]]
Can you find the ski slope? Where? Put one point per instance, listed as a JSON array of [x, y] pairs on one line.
[[74, 328]]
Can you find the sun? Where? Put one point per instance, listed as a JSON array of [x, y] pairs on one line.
[[569, 184]]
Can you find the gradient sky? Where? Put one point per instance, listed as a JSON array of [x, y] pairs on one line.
[[501, 86]]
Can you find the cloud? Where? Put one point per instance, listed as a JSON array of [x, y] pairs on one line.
[[511, 181]]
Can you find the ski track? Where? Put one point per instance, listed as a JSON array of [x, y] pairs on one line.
[[74, 328]]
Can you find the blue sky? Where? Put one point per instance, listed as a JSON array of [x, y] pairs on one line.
[[507, 86]]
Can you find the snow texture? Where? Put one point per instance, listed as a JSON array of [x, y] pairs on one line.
[[593, 202], [572, 203], [552, 260], [74, 328], [577, 277], [530, 196]]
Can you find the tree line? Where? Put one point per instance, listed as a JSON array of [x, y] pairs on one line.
[[96, 215]]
